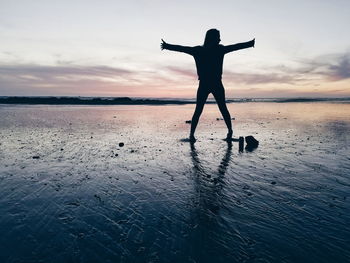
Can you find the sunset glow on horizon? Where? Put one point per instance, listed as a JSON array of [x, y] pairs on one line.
[[111, 48]]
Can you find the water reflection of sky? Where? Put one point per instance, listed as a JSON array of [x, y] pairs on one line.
[[162, 199]]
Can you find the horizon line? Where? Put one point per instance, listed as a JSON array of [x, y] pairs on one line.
[[78, 100]]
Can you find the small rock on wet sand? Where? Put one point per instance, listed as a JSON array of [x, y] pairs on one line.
[[250, 140], [121, 144]]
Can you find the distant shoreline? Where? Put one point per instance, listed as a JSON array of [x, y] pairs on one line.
[[52, 100]]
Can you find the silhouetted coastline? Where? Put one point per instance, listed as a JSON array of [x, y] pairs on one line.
[[144, 101], [87, 101]]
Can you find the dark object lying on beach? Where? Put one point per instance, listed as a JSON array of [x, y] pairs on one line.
[[240, 143], [221, 119], [121, 144], [251, 142], [188, 121]]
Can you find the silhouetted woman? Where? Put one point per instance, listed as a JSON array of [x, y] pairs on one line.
[[209, 59]]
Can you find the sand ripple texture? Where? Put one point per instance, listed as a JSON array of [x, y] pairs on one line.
[[71, 193]]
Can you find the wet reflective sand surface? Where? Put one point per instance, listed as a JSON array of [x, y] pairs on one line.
[[71, 193]]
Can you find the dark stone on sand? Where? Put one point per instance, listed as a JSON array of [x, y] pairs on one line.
[[36, 157], [251, 142], [121, 144], [188, 121]]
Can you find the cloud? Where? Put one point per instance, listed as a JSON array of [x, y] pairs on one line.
[[182, 71], [339, 68], [330, 67], [43, 72], [306, 73], [32, 79], [71, 79], [240, 77], [261, 78]]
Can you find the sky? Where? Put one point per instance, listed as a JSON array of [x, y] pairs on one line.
[[112, 48]]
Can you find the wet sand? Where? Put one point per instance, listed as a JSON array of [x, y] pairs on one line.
[[71, 193]]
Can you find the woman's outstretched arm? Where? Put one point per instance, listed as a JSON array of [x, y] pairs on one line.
[[239, 46], [184, 49]]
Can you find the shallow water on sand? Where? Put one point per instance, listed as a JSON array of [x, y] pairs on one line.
[[70, 193]]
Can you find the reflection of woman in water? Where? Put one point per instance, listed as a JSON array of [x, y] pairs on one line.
[[209, 59]]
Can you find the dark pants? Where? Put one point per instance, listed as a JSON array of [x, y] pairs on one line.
[[217, 89]]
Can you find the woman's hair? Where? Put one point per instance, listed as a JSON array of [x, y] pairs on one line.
[[212, 37]]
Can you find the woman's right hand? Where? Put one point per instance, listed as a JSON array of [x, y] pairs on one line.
[[163, 44]]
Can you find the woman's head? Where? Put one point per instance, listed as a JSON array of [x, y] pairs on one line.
[[212, 37]]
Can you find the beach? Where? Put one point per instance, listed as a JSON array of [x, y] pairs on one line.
[[120, 183]]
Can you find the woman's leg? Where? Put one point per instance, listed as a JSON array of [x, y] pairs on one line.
[[219, 95], [202, 96]]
